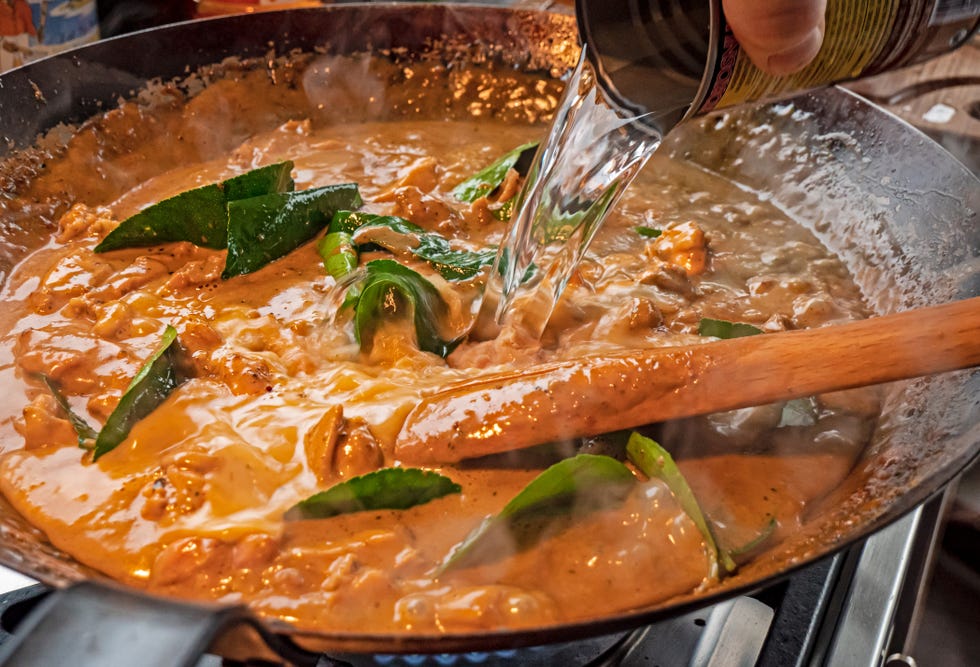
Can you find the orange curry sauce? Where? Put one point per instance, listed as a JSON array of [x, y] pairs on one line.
[[192, 502]]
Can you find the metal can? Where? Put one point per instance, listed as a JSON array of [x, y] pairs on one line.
[[673, 59], [31, 30]]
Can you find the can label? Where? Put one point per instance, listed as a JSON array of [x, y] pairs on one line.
[[857, 33], [32, 30]]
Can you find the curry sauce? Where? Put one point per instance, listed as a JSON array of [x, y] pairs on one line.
[[192, 502]]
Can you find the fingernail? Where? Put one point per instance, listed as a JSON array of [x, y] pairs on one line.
[[796, 57]]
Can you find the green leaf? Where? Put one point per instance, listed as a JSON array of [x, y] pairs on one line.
[[200, 215], [725, 329], [755, 542], [370, 225], [484, 182], [656, 462], [453, 264], [504, 211], [153, 383], [398, 234], [263, 229], [351, 221], [339, 254], [798, 412], [648, 232], [389, 488], [392, 290], [584, 483], [86, 434]]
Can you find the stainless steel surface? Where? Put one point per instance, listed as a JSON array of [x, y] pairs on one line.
[[734, 634], [730, 634], [865, 627], [11, 580]]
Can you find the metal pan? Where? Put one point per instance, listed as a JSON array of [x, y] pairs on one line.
[[900, 211]]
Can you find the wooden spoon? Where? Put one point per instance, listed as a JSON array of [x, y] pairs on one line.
[[593, 395]]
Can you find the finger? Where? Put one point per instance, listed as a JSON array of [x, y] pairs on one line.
[[779, 36]]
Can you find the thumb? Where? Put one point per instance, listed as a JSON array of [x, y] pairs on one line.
[[779, 36]]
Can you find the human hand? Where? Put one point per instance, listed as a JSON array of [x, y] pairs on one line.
[[780, 36]]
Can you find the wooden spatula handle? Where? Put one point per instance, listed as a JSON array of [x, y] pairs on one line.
[[595, 395]]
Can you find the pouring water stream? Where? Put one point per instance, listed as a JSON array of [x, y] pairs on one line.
[[592, 153]]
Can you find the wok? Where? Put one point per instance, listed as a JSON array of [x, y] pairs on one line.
[[900, 212]]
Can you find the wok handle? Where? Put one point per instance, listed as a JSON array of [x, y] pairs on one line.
[[94, 624]]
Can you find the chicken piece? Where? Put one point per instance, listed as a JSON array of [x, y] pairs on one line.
[[242, 373], [81, 220], [195, 562], [337, 447], [117, 320], [101, 405], [179, 487], [321, 442], [144, 270], [425, 211], [172, 494], [669, 278], [358, 451], [72, 276], [510, 186], [198, 335], [196, 274], [422, 174], [635, 314], [44, 425], [254, 552], [684, 246], [81, 364], [479, 215]]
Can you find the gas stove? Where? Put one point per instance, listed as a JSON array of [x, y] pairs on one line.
[[856, 608]]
